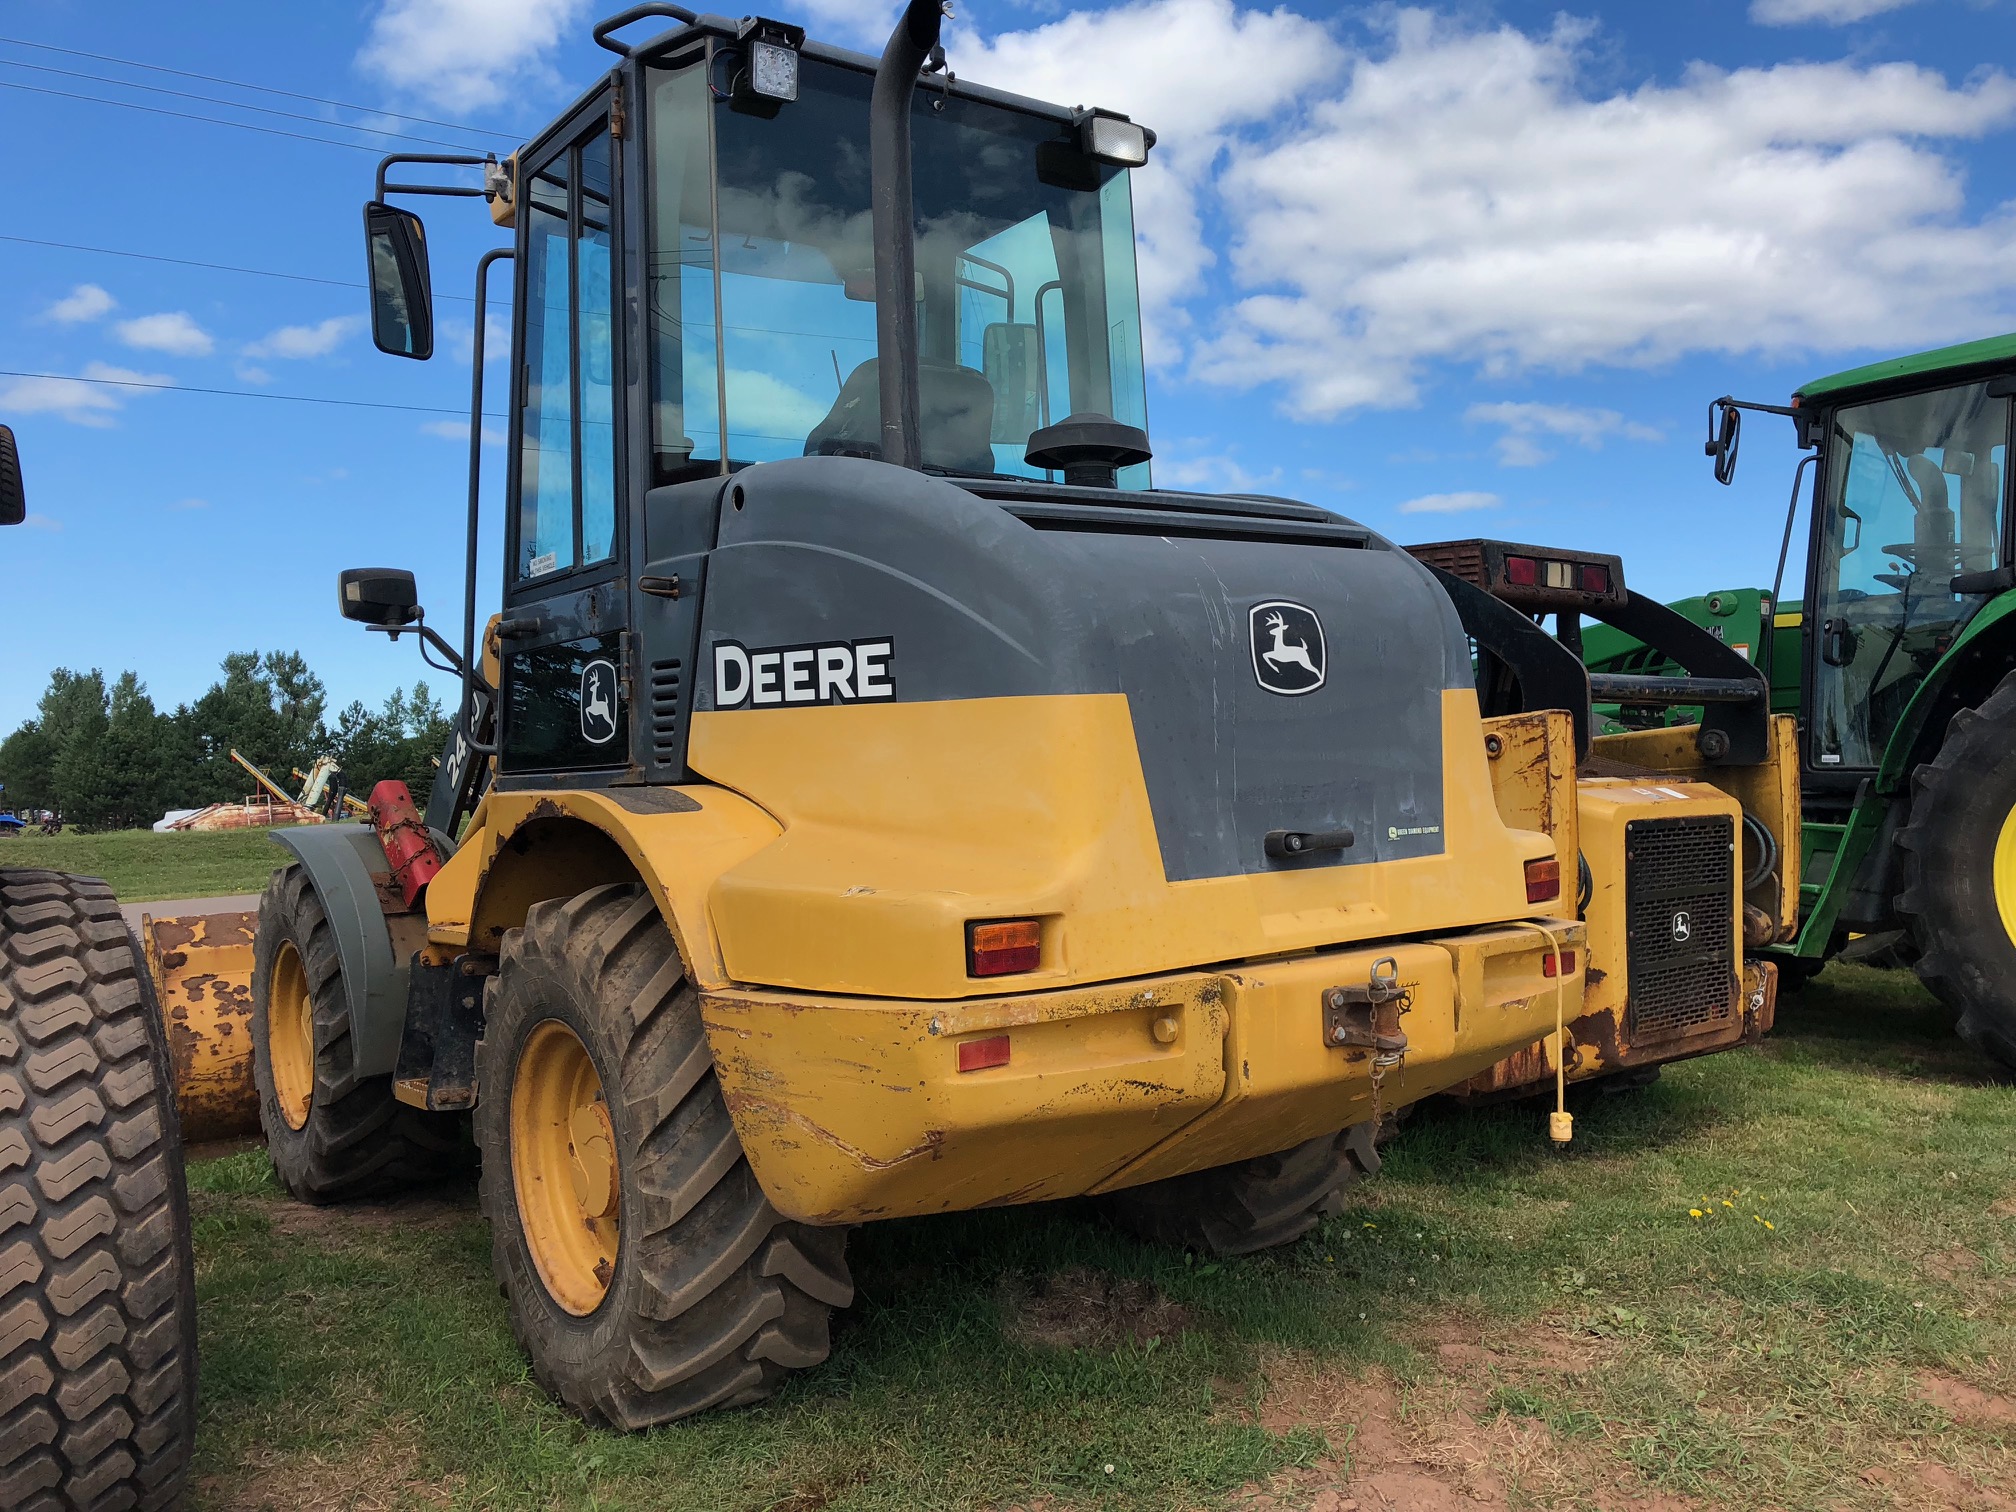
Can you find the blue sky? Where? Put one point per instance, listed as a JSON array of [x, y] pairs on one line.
[[1462, 269]]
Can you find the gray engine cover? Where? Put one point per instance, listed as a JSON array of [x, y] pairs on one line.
[[978, 603]]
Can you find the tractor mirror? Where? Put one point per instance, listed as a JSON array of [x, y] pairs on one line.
[[378, 596], [1012, 358], [13, 503], [402, 301]]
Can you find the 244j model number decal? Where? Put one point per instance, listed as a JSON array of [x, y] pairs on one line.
[[861, 671]]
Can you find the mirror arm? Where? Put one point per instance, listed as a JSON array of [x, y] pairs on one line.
[[451, 159], [471, 676]]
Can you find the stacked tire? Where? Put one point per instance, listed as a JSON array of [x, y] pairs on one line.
[[97, 1282]]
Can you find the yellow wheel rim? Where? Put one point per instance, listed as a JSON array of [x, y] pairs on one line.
[[290, 1037], [564, 1169], [2005, 874]]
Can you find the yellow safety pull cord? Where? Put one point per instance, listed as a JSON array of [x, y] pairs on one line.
[[1560, 1123]]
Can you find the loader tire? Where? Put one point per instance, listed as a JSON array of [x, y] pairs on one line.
[[97, 1282], [1251, 1204], [332, 1135], [648, 1276], [1958, 899]]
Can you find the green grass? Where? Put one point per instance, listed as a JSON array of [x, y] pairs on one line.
[[143, 866], [365, 1356]]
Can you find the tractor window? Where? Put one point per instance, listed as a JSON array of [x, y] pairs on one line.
[[567, 458], [1913, 497], [1027, 305]]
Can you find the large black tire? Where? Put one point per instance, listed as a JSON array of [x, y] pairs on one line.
[[97, 1282], [1960, 801], [1251, 1204], [357, 1140], [714, 1296]]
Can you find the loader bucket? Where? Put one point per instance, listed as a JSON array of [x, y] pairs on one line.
[[202, 970]]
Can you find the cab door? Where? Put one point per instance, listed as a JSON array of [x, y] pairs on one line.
[[566, 694]]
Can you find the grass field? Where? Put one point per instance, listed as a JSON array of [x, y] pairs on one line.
[[1492, 1325], [143, 866]]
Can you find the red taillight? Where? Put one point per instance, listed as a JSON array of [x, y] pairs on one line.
[[1543, 880], [978, 1055], [1593, 577], [1522, 572], [1558, 965], [1002, 947]]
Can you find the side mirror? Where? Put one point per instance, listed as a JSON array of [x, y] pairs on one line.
[[383, 596], [13, 503], [1012, 358], [402, 300]]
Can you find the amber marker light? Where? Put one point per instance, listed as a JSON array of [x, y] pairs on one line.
[[1002, 947], [1543, 880]]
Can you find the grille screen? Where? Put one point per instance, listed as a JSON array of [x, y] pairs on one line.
[[665, 711], [1679, 894]]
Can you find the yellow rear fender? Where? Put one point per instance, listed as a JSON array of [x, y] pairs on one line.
[[526, 847]]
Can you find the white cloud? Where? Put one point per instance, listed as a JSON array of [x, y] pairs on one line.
[[1462, 199], [85, 302], [1826, 12], [41, 522], [1195, 72], [76, 400], [1189, 464], [172, 332], [302, 341], [249, 372], [1450, 503], [458, 430], [465, 54], [1523, 423]]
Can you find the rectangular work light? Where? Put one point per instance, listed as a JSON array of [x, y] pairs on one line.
[[1114, 139]]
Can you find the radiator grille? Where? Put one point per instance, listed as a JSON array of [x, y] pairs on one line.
[[665, 711], [1679, 898]]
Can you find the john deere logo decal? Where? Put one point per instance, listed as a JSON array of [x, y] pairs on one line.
[[1683, 925], [598, 703], [1287, 647]]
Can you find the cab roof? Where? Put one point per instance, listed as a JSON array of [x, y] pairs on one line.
[[1968, 354]]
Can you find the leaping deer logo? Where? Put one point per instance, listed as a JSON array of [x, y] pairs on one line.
[[598, 705], [1291, 659]]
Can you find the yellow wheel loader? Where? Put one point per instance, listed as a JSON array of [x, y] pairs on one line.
[[97, 1281], [873, 796]]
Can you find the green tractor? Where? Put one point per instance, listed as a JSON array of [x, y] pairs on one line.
[[1898, 665]]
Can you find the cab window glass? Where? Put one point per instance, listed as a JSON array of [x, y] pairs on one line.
[[567, 380]]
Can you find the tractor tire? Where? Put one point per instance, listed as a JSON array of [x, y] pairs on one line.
[[97, 1281], [1251, 1204], [648, 1276], [332, 1135], [1958, 899]]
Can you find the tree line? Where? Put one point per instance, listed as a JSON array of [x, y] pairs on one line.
[[104, 757]]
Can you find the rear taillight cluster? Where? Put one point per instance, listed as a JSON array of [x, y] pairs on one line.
[[1543, 880], [1003, 947], [1549, 572]]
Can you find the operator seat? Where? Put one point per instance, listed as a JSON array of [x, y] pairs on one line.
[[958, 415]]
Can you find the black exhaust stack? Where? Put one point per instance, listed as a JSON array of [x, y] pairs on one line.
[[910, 45]]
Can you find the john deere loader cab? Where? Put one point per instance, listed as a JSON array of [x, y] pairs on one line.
[[1898, 662], [874, 797]]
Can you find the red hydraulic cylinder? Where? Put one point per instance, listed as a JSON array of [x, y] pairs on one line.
[[408, 846]]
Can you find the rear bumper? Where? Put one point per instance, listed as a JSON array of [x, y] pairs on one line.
[[853, 1108], [1598, 1046]]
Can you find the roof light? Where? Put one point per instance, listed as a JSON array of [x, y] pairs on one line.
[[1593, 577], [1522, 572], [1543, 880], [1003, 947], [768, 78], [1114, 139]]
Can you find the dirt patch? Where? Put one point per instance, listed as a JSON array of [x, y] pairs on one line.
[[1080, 1308], [1957, 1260], [1964, 1403], [2004, 1207], [382, 1473], [422, 1211], [1461, 1347]]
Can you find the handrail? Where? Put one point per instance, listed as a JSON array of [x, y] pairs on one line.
[[451, 159], [469, 662], [622, 19]]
